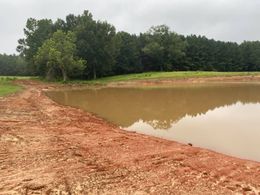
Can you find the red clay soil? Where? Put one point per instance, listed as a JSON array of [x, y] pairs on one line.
[[46, 148]]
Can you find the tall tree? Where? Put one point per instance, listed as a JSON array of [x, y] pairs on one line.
[[58, 53], [164, 48], [36, 32], [128, 58], [251, 55], [96, 43]]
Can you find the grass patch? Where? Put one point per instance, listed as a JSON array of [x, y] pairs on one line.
[[165, 75], [12, 78], [7, 86]]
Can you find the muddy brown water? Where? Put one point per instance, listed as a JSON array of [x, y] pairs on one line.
[[220, 117]]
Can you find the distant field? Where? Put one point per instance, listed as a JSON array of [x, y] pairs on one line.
[[168, 75]]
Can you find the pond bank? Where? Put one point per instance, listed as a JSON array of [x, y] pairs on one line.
[[50, 148]]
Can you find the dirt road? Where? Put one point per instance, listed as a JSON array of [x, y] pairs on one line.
[[46, 148]]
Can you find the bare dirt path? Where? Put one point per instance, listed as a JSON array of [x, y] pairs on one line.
[[46, 148]]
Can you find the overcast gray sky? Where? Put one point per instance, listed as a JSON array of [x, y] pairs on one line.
[[228, 20]]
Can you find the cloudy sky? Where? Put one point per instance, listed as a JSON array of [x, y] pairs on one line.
[[228, 20]]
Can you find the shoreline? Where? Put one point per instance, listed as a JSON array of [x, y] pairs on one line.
[[54, 148]]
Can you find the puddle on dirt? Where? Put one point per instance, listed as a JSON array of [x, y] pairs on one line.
[[221, 117]]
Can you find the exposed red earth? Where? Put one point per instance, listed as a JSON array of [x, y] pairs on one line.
[[47, 148]]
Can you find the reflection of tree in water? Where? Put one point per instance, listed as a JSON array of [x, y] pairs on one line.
[[156, 124], [166, 124], [159, 107]]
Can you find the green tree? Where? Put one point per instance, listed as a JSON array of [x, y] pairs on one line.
[[128, 58], [251, 55], [164, 48], [96, 44], [58, 54], [210, 55], [36, 32]]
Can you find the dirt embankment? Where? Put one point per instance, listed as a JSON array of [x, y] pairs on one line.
[[46, 148]]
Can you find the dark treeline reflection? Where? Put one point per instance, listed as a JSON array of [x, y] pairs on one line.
[[159, 107]]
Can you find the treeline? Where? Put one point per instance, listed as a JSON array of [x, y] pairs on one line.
[[12, 65], [81, 47]]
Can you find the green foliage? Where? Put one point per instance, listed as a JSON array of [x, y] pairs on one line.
[[164, 48], [11, 65], [57, 55], [251, 55], [96, 44], [108, 52], [128, 58], [36, 32], [211, 55]]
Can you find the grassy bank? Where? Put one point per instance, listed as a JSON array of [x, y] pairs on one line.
[[166, 75], [7, 86]]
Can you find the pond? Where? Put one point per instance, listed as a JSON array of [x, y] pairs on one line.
[[220, 117]]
